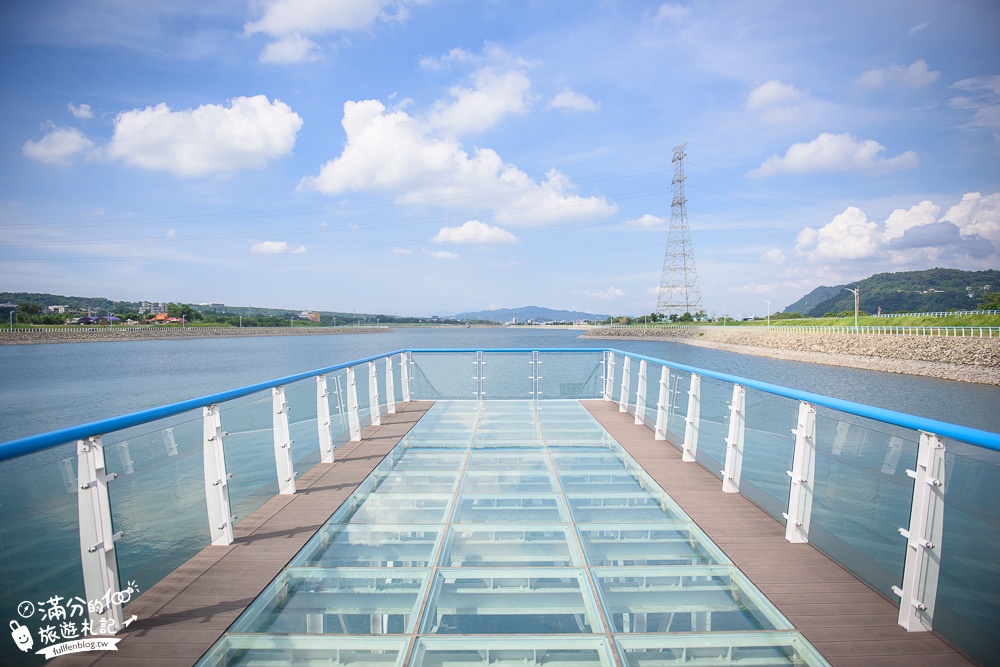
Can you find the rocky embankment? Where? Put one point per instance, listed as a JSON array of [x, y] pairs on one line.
[[950, 358], [104, 334]]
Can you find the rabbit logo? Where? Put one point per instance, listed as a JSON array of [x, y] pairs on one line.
[[22, 636]]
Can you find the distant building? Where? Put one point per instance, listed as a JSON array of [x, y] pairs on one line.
[[311, 316], [59, 310], [151, 307]]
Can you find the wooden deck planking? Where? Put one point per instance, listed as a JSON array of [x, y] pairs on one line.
[[848, 622], [184, 614]]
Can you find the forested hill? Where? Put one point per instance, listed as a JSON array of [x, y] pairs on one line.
[[904, 292]]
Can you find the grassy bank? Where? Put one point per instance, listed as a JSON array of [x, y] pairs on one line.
[[871, 321]]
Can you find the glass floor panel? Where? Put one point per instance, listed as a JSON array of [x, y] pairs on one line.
[[496, 534]]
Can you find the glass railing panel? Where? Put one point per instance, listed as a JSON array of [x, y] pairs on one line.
[[571, 375], [340, 429], [768, 447], [439, 376], [158, 497], [652, 393], [40, 537], [306, 650], [713, 427], [508, 376], [249, 451], [968, 599], [680, 383], [364, 399], [862, 495], [303, 426]]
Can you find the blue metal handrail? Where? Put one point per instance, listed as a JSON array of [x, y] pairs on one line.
[[15, 448]]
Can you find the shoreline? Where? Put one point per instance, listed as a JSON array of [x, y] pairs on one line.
[[975, 360], [105, 335]]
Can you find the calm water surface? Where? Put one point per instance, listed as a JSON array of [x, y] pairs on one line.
[[47, 387]]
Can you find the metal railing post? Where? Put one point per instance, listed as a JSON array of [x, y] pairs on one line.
[[609, 375], [480, 390], [284, 467], [734, 441], [535, 377], [353, 419], [690, 447], [323, 419], [626, 382], [640, 395], [97, 537], [404, 374], [803, 474], [373, 406], [923, 538], [662, 405], [390, 388], [220, 517]]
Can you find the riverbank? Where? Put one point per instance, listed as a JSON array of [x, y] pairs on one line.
[[106, 335], [949, 358]]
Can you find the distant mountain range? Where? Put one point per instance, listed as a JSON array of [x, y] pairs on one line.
[[933, 290], [533, 313]]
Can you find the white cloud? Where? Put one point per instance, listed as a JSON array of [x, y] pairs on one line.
[[774, 256], [848, 236], [573, 101], [606, 295], [981, 96], [901, 219], [59, 146], [453, 57], [401, 251], [915, 76], [444, 254], [290, 49], [275, 248], [647, 221], [495, 94], [836, 152], [670, 12], [209, 139], [83, 112], [775, 101], [917, 28], [474, 232], [393, 151], [977, 215]]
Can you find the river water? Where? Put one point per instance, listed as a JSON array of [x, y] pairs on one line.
[[48, 387]]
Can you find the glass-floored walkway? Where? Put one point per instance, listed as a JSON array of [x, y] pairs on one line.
[[497, 535]]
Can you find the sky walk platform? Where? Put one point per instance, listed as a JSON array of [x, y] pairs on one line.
[[848, 623]]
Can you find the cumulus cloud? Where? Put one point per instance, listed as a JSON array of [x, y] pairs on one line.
[[572, 101], [967, 231], [647, 221], [775, 102], [915, 76], [836, 152], [774, 256], [494, 95], [395, 152], [453, 57], [59, 146], [82, 112], [209, 139], [290, 49], [474, 232], [275, 248], [286, 20], [606, 295]]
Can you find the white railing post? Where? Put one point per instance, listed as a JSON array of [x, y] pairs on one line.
[[734, 441], [220, 517], [662, 405], [284, 467], [690, 447], [609, 375], [640, 395], [390, 388], [480, 391], [373, 406], [323, 419], [923, 538], [626, 383], [404, 374], [353, 419], [536, 375], [97, 537], [803, 474]]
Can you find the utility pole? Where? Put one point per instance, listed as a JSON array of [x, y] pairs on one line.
[[679, 291]]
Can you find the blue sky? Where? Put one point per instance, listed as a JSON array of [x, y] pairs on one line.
[[436, 156]]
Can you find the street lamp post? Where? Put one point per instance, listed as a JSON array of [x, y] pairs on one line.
[[12, 318], [857, 302]]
